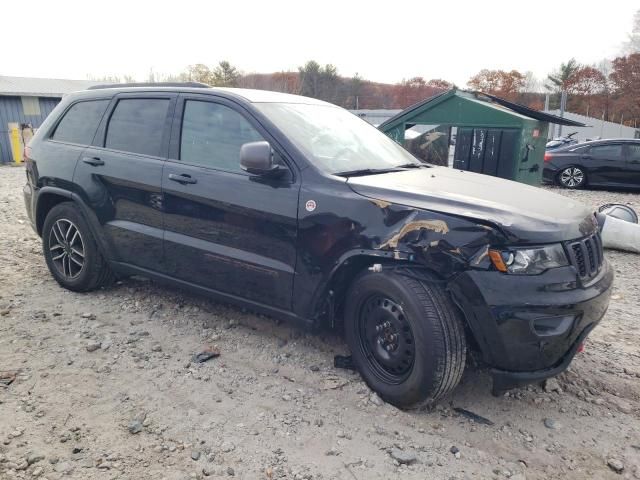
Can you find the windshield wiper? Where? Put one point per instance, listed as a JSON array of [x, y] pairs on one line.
[[374, 171], [367, 171], [413, 165]]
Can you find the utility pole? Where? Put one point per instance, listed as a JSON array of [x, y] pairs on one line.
[[563, 105], [546, 109]]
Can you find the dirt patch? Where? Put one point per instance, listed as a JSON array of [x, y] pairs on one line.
[[104, 386]]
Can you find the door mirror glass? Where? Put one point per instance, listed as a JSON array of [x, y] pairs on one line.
[[257, 158]]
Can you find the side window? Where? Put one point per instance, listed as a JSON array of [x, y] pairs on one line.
[[80, 123], [607, 151], [212, 135], [136, 125], [634, 152]]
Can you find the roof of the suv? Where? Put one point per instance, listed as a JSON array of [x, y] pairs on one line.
[[246, 94]]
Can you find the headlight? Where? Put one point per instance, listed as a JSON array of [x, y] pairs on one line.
[[529, 261]]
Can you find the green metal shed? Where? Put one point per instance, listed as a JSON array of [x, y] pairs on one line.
[[494, 136]]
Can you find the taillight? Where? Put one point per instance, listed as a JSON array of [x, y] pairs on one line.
[[27, 153], [547, 157]]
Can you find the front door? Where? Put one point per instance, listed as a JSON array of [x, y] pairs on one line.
[[121, 174], [226, 230], [632, 156], [605, 164]]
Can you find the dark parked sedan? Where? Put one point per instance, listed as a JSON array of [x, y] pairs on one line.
[[607, 163]]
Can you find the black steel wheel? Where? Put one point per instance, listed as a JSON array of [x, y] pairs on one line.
[[572, 177], [406, 335], [71, 251], [386, 338]]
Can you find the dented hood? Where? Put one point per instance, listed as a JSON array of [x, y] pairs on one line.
[[523, 213]]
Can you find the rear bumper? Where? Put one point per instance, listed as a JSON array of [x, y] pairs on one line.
[[529, 327], [549, 173], [27, 192]]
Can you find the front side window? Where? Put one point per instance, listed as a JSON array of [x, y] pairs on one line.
[[212, 135], [607, 151], [334, 139], [634, 152], [137, 125], [80, 123]]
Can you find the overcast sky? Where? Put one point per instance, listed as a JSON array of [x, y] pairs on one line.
[[382, 41]]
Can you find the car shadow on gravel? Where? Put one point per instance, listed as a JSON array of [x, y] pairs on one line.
[[312, 348]]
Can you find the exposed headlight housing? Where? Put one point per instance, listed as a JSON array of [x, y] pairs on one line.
[[529, 261]]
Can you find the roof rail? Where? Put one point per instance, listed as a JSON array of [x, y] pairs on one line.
[[150, 84]]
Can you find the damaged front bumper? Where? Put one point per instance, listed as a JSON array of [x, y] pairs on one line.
[[529, 327]]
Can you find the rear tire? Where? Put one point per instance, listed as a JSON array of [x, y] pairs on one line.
[[71, 252], [406, 336], [572, 177]]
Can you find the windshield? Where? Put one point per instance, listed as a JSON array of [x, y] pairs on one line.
[[334, 139]]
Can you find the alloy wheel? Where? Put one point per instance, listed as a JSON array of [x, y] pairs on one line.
[[67, 248], [572, 177], [386, 339]]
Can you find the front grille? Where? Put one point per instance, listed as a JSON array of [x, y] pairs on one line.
[[586, 255]]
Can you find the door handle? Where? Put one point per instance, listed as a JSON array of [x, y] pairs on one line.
[[93, 161], [183, 178]]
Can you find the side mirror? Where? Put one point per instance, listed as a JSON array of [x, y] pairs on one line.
[[256, 158]]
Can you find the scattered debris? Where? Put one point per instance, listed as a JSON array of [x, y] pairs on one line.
[[134, 427], [552, 385], [473, 416], [206, 354], [7, 378], [376, 400], [551, 423], [615, 464]]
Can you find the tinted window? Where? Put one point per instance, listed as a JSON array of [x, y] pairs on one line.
[[136, 126], [607, 151], [80, 123], [212, 135], [634, 151]]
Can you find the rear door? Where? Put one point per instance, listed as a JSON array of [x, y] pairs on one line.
[[605, 164], [632, 157], [227, 230], [121, 174]]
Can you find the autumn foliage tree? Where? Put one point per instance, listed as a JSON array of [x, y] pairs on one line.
[[625, 79], [501, 83]]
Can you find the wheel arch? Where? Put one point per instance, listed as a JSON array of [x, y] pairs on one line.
[[330, 300], [49, 197]]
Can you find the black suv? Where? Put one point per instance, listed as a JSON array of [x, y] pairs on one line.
[[298, 209]]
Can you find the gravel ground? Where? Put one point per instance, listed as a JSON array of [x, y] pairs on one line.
[[105, 390]]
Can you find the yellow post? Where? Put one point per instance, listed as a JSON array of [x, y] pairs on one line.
[[16, 144]]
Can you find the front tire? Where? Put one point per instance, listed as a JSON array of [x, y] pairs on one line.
[[406, 336], [572, 177], [71, 252]]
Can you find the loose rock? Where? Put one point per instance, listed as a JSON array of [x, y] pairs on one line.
[[403, 457]]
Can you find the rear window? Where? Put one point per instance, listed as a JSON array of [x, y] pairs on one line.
[[80, 123], [136, 125], [611, 151]]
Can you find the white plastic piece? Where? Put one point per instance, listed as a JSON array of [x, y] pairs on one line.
[[621, 235], [376, 267]]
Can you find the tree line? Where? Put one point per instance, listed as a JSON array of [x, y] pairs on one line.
[[608, 90]]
